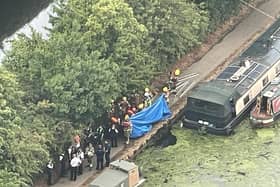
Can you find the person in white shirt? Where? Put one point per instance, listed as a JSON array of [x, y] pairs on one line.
[[75, 162]]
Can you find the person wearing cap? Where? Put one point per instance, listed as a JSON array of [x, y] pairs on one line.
[[166, 94], [107, 150], [173, 77], [148, 97], [140, 107], [124, 105], [127, 128]]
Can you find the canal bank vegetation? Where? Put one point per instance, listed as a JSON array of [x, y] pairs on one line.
[[97, 50]]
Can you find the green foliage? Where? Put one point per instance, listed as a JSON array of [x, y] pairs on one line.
[[23, 151], [174, 27], [97, 50], [120, 38], [11, 179], [74, 80], [219, 11]]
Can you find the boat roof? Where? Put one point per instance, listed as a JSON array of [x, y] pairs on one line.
[[245, 70], [273, 89], [256, 68], [214, 91]]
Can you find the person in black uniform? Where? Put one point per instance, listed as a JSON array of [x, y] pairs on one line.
[[50, 172], [99, 157], [107, 148], [113, 133], [62, 160]]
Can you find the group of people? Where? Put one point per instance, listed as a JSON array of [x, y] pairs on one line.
[[80, 155], [98, 142], [121, 110]]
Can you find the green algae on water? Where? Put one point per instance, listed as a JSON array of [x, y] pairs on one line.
[[248, 158]]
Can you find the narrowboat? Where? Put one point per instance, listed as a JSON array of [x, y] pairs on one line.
[[219, 105], [267, 108]]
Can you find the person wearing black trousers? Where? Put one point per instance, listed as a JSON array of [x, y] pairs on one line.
[[107, 149], [99, 157], [50, 172], [113, 132], [81, 156], [75, 162], [62, 159]]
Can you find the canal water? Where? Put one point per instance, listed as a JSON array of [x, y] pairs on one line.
[[18, 17], [248, 158]]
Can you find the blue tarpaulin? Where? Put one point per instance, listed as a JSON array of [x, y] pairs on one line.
[[143, 120]]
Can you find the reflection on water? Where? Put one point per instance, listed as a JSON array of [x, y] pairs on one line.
[[248, 158], [38, 23]]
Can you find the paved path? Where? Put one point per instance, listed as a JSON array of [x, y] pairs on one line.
[[65, 181], [249, 28], [246, 30]]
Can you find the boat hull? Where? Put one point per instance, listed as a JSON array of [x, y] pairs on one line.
[[258, 122], [261, 123], [224, 131]]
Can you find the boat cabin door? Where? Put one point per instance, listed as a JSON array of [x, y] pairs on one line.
[[264, 104]]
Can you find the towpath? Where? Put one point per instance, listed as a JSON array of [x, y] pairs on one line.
[[236, 41], [232, 44]]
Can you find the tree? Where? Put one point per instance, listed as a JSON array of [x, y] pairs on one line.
[[120, 38], [219, 11], [174, 27], [21, 147]]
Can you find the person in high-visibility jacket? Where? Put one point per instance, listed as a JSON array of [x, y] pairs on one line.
[[127, 127], [166, 94], [173, 77], [148, 97], [140, 107]]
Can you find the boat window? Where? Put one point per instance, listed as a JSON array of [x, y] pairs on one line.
[[265, 81], [206, 107], [246, 100]]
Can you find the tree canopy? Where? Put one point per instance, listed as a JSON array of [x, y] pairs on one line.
[[174, 27], [97, 50], [23, 151]]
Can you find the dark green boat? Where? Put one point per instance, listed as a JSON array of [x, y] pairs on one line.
[[219, 105]]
